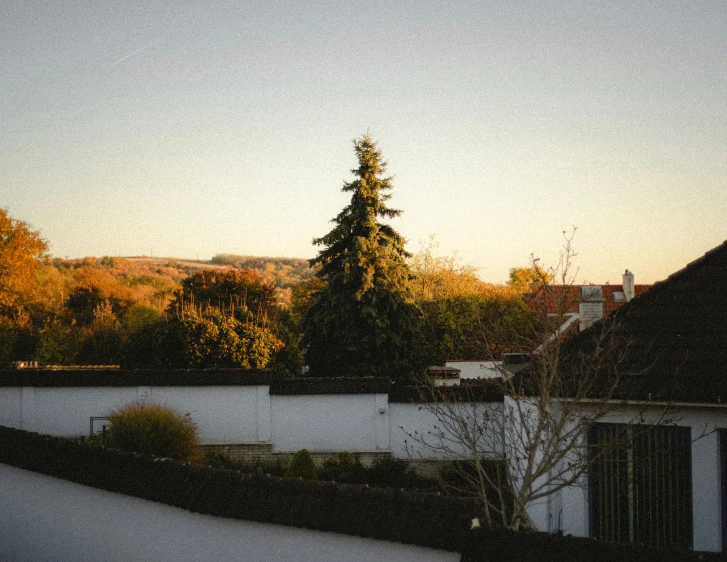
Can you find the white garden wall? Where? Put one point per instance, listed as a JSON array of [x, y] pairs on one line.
[[408, 420], [223, 414], [11, 407], [46, 519], [330, 422], [238, 415]]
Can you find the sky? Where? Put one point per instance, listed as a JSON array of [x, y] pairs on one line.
[[190, 129]]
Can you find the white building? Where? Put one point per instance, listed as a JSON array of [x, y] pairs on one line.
[[666, 483]]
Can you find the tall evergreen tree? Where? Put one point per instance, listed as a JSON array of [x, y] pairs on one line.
[[363, 321]]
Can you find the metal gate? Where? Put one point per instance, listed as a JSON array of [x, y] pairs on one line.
[[640, 484]]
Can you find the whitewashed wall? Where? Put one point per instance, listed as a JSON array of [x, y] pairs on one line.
[[408, 420], [66, 412], [46, 519], [237, 415], [349, 422], [11, 407], [330, 422], [223, 414]]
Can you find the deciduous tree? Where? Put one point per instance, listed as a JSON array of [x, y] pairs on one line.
[[229, 289], [203, 340], [22, 251], [528, 279], [441, 277], [539, 428], [459, 312]]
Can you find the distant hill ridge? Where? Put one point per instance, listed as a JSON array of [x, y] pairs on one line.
[[152, 280], [281, 272]]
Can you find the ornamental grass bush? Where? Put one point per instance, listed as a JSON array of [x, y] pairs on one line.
[[153, 429]]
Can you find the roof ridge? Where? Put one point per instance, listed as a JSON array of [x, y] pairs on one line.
[[691, 265], [658, 286]]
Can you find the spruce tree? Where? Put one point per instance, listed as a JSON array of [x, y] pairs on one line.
[[363, 321]]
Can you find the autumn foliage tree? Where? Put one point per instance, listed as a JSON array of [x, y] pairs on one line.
[[528, 279], [22, 251], [112, 311], [201, 339], [439, 277], [95, 289], [463, 317], [235, 289], [363, 322], [219, 319]]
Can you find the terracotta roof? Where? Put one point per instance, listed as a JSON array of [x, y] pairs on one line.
[[569, 295], [677, 334], [610, 302]]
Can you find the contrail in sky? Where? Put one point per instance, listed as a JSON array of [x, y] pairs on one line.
[[122, 59]]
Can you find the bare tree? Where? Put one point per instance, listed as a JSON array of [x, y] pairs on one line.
[[516, 450]]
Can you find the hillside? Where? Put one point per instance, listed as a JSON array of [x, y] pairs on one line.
[[281, 272], [154, 279]]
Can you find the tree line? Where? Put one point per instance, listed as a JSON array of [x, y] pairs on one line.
[[363, 306]]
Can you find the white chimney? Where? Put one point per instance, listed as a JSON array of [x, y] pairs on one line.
[[590, 305], [628, 284]]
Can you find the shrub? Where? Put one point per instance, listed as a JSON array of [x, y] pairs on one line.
[[456, 476], [97, 440], [345, 468], [396, 473], [218, 459], [346, 458], [302, 466], [153, 429], [273, 468]]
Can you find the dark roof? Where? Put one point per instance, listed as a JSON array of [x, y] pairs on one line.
[[473, 390], [675, 335], [331, 385], [137, 377]]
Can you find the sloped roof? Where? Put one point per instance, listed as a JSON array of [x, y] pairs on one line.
[[569, 297], [676, 335]]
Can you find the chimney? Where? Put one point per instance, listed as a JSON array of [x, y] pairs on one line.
[[590, 305], [628, 285]]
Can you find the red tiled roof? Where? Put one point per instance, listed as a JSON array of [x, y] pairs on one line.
[[569, 297]]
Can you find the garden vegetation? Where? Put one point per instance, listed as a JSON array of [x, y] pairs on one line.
[[153, 429]]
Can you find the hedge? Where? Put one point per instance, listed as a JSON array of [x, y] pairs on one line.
[[416, 518], [503, 545], [422, 519]]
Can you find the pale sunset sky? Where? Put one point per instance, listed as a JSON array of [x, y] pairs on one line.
[[188, 129]]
